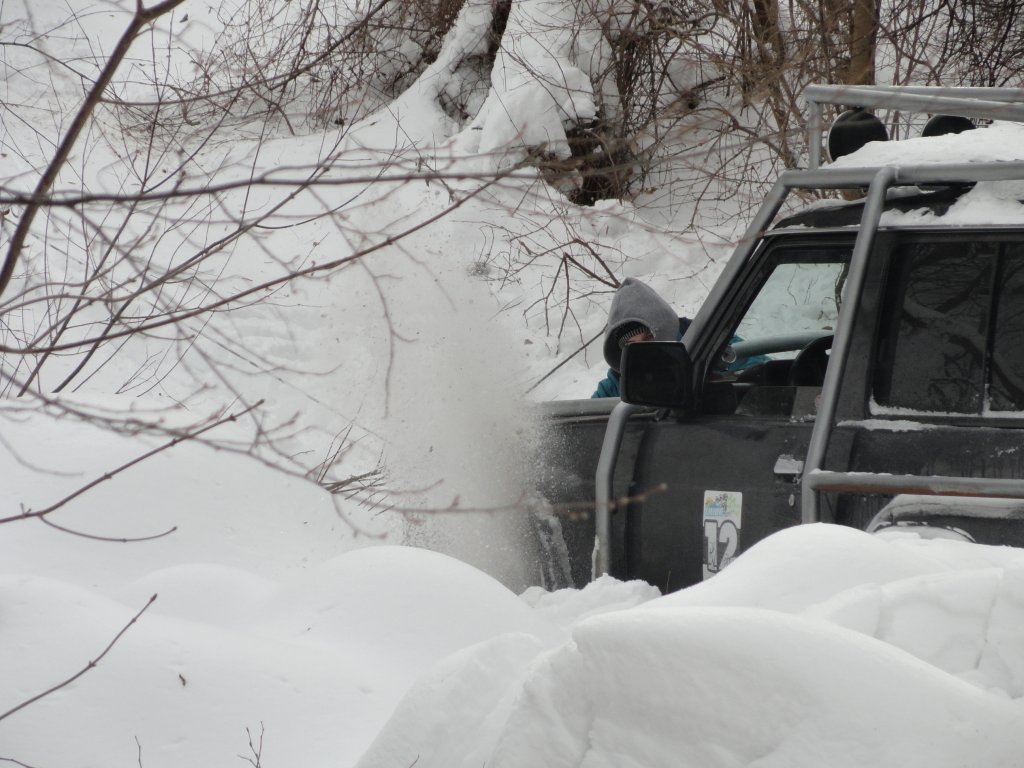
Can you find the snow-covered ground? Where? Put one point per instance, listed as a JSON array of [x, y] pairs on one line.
[[295, 627]]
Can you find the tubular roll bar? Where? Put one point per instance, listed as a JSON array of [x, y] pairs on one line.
[[825, 418], [602, 557], [994, 103], [986, 103], [934, 485]]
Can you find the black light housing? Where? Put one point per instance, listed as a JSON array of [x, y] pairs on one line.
[[940, 125], [852, 130]]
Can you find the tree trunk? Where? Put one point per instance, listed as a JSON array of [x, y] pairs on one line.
[[863, 34]]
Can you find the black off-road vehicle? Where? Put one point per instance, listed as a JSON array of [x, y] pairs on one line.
[[884, 382]]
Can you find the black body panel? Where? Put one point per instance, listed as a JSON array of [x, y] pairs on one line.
[[933, 385]]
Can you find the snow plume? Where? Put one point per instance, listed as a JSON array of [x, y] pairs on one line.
[[449, 398]]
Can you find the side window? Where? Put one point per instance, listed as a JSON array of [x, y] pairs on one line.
[[796, 297], [1006, 388], [933, 343], [952, 334], [780, 346]]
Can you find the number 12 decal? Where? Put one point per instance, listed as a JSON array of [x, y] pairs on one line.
[[723, 516]]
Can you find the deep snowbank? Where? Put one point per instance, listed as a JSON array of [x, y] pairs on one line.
[[820, 646], [317, 655]]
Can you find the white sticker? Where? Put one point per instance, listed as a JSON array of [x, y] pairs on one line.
[[723, 516]]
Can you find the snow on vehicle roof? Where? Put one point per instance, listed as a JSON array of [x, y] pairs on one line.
[[987, 203], [998, 142]]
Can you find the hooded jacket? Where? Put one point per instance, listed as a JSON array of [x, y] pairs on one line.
[[634, 303]]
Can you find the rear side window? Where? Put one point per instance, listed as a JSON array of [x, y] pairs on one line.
[[952, 337], [1007, 380]]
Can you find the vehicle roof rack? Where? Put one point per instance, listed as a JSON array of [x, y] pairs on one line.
[[978, 103]]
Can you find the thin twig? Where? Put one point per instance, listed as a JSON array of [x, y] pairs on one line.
[[84, 669], [566, 360], [15, 762], [27, 514], [271, 178], [172, 319], [142, 17], [117, 540], [257, 751]]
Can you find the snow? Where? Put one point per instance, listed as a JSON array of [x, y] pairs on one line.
[[535, 93], [907, 653], [296, 627], [998, 142], [892, 425], [987, 203]]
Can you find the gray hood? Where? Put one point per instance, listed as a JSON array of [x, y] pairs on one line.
[[636, 302]]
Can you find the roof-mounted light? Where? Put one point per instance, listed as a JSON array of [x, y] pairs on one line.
[[852, 130], [940, 125]]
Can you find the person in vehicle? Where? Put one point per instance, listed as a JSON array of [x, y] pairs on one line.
[[637, 313]]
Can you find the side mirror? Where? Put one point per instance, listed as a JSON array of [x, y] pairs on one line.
[[657, 373]]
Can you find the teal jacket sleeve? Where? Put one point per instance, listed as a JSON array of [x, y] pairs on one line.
[[608, 387]]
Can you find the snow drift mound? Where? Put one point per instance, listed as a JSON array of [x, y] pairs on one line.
[[820, 646]]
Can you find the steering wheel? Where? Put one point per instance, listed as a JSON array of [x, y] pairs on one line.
[[808, 367]]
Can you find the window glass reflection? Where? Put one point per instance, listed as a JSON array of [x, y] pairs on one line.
[[936, 361], [1006, 390]]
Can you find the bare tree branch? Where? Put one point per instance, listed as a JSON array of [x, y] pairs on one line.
[[190, 435], [84, 669], [143, 16]]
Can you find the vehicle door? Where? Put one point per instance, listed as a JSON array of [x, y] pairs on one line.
[[945, 391], [712, 482]]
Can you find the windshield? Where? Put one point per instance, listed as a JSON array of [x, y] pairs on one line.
[[797, 298]]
